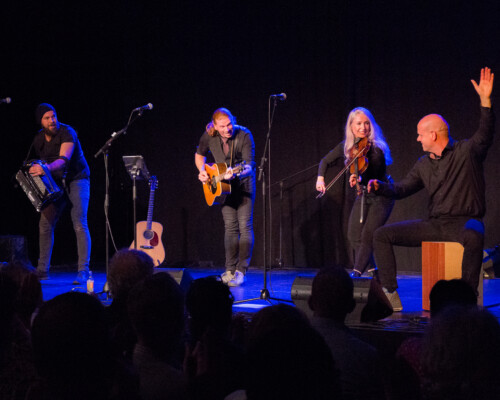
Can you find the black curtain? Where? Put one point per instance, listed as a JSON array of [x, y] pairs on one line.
[[96, 61]]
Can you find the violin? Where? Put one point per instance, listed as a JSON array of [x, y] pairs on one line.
[[356, 163], [357, 154]]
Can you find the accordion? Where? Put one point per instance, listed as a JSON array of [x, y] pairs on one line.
[[41, 189]]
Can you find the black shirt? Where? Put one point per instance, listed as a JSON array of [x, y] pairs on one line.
[[455, 181], [77, 168], [241, 148], [376, 163]]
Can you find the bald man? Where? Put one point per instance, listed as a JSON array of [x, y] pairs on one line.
[[452, 174]]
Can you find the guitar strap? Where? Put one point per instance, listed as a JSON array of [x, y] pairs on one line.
[[232, 149]]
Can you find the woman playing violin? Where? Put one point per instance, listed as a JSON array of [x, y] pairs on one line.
[[364, 145]]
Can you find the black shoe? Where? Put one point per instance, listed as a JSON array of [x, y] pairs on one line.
[[42, 275], [81, 278]]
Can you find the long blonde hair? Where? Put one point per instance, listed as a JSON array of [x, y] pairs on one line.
[[220, 112], [376, 137]]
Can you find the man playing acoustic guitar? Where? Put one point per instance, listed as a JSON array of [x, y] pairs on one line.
[[232, 145]]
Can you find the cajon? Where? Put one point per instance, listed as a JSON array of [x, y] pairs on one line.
[[442, 260]]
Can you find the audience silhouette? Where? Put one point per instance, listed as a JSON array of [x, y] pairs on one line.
[[127, 268], [214, 364], [20, 296], [332, 298], [288, 359], [156, 310], [72, 352], [460, 355], [152, 343]]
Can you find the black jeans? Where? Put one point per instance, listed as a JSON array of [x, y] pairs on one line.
[[376, 211], [237, 212], [467, 231], [78, 194]]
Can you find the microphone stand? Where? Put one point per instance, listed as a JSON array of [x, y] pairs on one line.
[[280, 183], [266, 157], [104, 150]]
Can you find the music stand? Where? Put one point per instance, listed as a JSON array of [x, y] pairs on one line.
[[136, 168]]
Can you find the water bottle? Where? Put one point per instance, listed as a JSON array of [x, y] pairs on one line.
[[90, 283]]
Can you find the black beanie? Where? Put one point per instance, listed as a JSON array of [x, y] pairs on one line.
[[41, 109]]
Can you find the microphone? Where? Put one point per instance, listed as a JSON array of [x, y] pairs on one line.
[[148, 106], [280, 97], [7, 100]]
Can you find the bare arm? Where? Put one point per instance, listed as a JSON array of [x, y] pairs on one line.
[[485, 86], [66, 151], [199, 161]]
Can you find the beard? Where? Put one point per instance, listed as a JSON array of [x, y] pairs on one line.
[[51, 130]]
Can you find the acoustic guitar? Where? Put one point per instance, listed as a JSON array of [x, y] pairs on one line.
[[149, 232], [216, 189]]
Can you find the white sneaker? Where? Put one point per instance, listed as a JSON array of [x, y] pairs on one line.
[[394, 300], [226, 277], [239, 278]]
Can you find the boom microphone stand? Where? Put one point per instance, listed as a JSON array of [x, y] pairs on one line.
[[266, 195], [280, 183], [104, 150]]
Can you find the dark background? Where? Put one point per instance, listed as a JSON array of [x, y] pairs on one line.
[[96, 61]]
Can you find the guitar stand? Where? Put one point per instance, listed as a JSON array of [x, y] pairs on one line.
[[136, 168]]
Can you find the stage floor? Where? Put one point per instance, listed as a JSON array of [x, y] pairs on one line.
[[279, 284]]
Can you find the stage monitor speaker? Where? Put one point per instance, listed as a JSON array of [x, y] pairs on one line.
[[371, 302], [181, 276], [491, 262], [13, 248]]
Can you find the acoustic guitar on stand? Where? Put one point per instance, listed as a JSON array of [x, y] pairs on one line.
[[149, 232], [216, 189]]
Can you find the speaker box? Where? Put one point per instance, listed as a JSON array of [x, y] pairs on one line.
[[181, 276], [371, 302], [13, 248]]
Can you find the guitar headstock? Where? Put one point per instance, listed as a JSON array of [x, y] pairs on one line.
[[239, 167], [153, 182]]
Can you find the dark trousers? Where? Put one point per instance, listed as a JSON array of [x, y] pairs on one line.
[[237, 212], [376, 211], [77, 194], [469, 232]]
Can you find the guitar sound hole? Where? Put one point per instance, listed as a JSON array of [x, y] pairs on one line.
[[148, 235]]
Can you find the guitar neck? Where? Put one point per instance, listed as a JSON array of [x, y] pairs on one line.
[[150, 209], [236, 169]]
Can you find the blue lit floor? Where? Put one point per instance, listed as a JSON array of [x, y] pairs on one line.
[[278, 283]]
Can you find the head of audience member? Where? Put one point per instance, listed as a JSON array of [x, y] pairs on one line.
[[127, 267], [455, 292], [28, 290], [287, 358], [8, 294], [210, 307], [460, 353], [156, 311], [279, 316], [433, 133], [332, 294], [71, 347]]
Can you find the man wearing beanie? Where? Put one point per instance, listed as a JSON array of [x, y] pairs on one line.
[[57, 144]]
